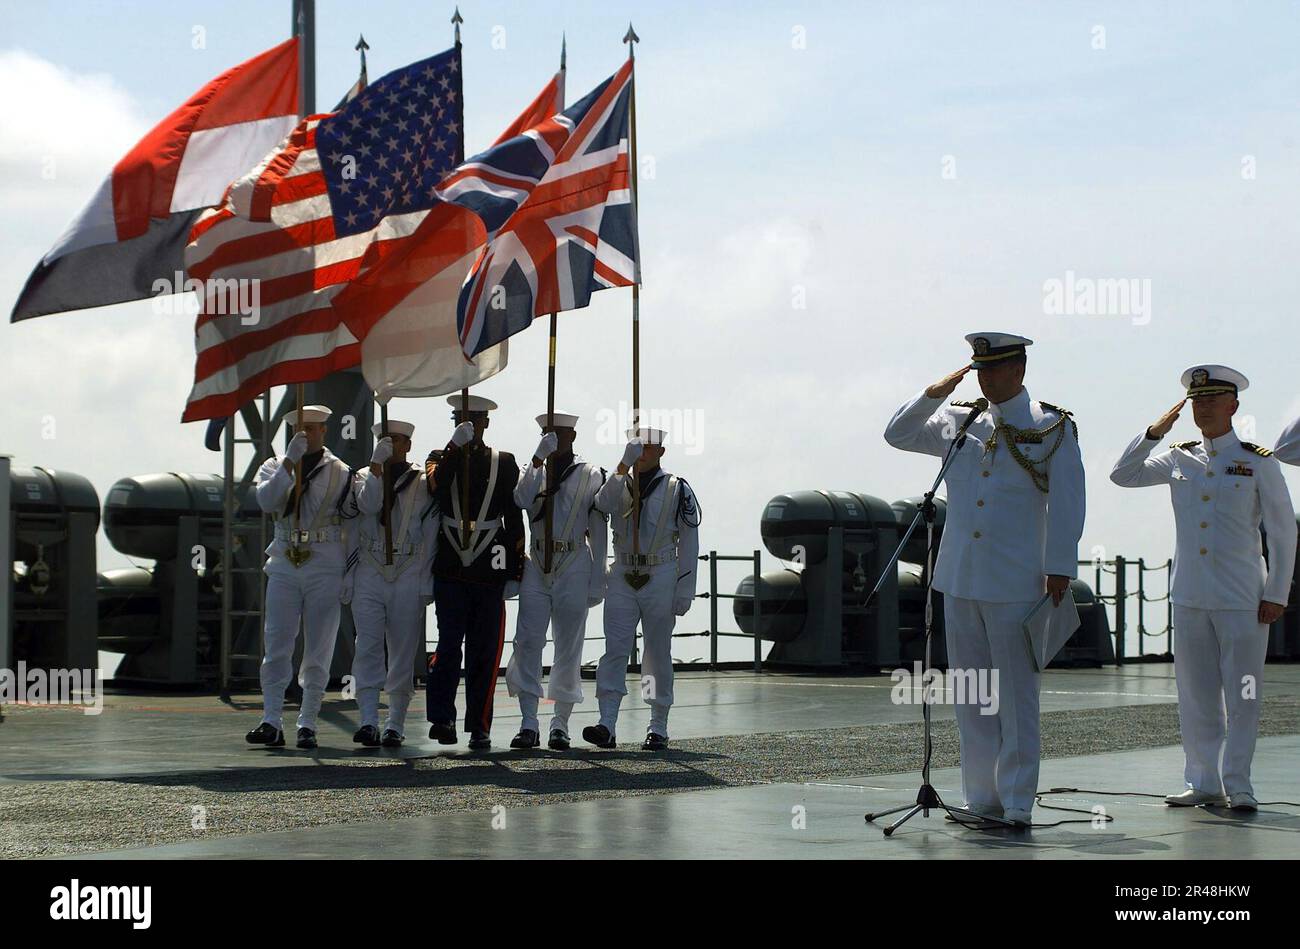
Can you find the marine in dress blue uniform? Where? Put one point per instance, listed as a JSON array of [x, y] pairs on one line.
[[470, 572]]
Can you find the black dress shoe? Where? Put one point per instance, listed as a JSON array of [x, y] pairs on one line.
[[558, 740], [445, 732], [479, 741], [391, 739], [306, 738], [266, 734], [598, 735], [367, 735], [654, 742], [527, 738]]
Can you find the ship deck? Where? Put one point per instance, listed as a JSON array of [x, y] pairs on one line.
[[771, 765]]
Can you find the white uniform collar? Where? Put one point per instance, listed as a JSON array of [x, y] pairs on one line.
[[1225, 442], [1015, 407]]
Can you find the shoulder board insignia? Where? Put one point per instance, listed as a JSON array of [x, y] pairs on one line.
[[1257, 449], [964, 405], [1186, 445], [1056, 408]]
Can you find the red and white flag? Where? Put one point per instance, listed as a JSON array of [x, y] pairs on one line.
[[129, 242]]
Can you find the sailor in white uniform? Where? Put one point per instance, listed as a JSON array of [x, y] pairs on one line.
[[575, 581], [389, 602], [650, 583], [1224, 596], [305, 569], [1014, 518]]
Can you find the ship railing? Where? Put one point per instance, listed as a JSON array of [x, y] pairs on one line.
[[1117, 602]]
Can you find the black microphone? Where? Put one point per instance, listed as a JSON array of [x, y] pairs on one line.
[[977, 408]]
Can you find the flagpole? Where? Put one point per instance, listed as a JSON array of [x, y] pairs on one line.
[[304, 21], [548, 556], [631, 39], [388, 488], [297, 473], [456, 21]]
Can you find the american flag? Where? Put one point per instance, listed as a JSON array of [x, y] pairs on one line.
[[341, 193], [558, 206]]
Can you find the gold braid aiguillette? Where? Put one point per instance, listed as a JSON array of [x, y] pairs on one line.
[[1031, 436]]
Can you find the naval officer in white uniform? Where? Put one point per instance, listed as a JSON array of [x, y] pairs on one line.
[[305, 569], [651, 586], [1224, 595], [1287, 449], [388, 605], [1015, 515], [575, 583]]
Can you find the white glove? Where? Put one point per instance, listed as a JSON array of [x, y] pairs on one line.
[[632, 452], [682, 605], [464, 434], [383, 451], [550, 441], [297, 447]]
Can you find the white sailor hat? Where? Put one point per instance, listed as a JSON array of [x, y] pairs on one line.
[[988, 349], [649, 436], [476, 403], [394, 428], [310, 413], [562, 420], [1212, 380]]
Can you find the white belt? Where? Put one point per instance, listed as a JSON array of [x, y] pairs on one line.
[[557, 546], [322, 535], [474, 526], [406, 550], [646, 560]]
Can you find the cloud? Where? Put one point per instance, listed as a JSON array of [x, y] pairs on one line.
[[56, 146]]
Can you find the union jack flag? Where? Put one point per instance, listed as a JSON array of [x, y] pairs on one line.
[[558, 206]]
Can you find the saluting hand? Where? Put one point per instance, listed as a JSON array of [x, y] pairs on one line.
[[945, 386], [1161, 428]]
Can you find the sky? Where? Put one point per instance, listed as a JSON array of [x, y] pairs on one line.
[[831, 196]]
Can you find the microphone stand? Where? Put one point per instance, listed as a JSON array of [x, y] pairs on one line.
[[927, 798]]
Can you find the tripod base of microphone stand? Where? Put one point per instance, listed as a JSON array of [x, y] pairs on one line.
[[927, 800]]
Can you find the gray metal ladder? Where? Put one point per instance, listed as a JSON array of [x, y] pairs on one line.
[[259, 425]]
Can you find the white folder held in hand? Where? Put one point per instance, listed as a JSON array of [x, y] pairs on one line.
[[1048, 628]]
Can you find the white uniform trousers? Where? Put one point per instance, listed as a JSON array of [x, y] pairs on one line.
[[564, 607], [310, 593], [1218, 656], [388, 616], [999, 752], [652, 607]]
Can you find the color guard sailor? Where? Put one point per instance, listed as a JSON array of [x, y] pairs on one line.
[[575, 581], [388, 605], [1014, 518], [305, 568], [470, 573], [1224, 595], [651, 583]]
